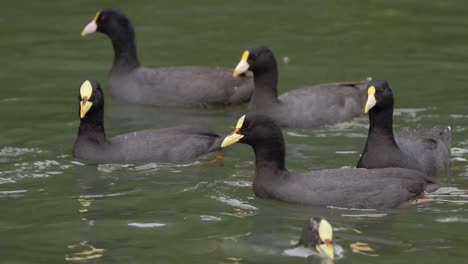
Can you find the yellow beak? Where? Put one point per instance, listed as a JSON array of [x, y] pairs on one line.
[[91, 27], [86, 91], [243, 65], [327, 250], [234, 136], [371, 101], [325, 233]]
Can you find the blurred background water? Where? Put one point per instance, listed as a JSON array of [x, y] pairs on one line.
[[55, 210]]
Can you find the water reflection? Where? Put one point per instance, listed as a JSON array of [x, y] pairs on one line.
[[84, 251], [363, 248], [88, 186]]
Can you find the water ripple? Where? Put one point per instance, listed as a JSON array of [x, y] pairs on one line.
[[239, 183], [458, 151], [103, 195], [346, 152], [15, 152], [146, 225], [210, 218], [293, 134], [457, 116], [15, 193], [234, 202], [20, 167], [412, 112], [452, 219], [364, 215], [303, 252], [145, 168]]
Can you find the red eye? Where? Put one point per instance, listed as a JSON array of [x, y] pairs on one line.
[[250, 125], [102, 17]]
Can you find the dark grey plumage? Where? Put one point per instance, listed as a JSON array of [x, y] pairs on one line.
[[189, 86], [305, 107], [430, 147], [423, 149], [351, 188], [176, 144], [196, 86]]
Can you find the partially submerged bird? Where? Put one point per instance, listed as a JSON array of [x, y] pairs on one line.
[[423, 149], [350, 188], [305, 107], [176, 144], [129, 81], [317, 234]]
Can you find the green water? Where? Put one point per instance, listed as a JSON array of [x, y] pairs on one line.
[[53, 208]]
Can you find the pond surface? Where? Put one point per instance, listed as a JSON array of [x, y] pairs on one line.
[[57, 210]]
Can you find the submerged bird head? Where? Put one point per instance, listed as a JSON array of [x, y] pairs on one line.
[[379, 96], [90, 98], [318, 234], [256, 59], [108, 21], [254, 129]]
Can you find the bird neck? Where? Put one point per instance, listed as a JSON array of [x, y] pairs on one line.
[[125, 52], [92, 127], [265, 91], [269, 158], [381, 126]]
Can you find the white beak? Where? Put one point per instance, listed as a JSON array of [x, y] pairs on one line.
[[370, 103], [89, 29], [241, 68]]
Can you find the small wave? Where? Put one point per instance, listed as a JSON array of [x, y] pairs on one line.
[[103, 195], [12, 99], [458, 202], [15, 152], [300, 252], [239, 183], [40, 168], [448, 191], [6, 180], [74, 162], [412, 112], [195, 187], [350, 125], [293, 134], [344, 134], [235, 203], [210, 218], [23, 163], [35, 169], [15, 193], [352, 209], [346, 152], [458, 151], [156, 166], [146, 225], [149, 167], [452, 219], [364, 215], [303, 252], [111, 167], [456, 116]]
